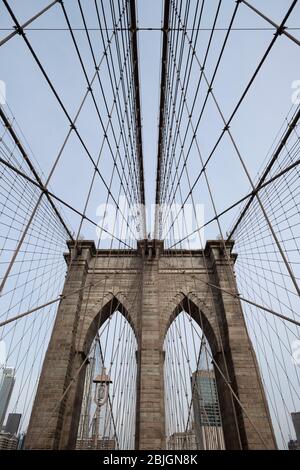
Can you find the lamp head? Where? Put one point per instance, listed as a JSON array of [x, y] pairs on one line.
[[102, 378]]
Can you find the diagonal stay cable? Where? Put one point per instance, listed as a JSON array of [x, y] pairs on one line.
[[25, 156], [244, 94], [72, 127], [60, 102], [28, 22], [227, 129], [270, 165], [276, 26]]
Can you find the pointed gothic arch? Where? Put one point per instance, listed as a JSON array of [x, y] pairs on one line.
[[141, 283]]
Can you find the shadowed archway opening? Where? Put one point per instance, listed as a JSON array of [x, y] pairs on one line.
[[107, 418], [193, 415]]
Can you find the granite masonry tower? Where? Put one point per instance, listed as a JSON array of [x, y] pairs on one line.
[[172, 281]]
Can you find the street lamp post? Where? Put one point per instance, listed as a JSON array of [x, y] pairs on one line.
[[100, 398]]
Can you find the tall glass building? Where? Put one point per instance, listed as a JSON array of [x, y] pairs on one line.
[[207, 416], [6, 388]]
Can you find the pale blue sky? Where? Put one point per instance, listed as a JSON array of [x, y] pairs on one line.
[[254, 127]]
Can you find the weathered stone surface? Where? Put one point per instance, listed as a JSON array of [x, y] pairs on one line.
[[150, 287]]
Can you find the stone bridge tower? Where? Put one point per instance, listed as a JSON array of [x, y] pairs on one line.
[[100, 282]]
